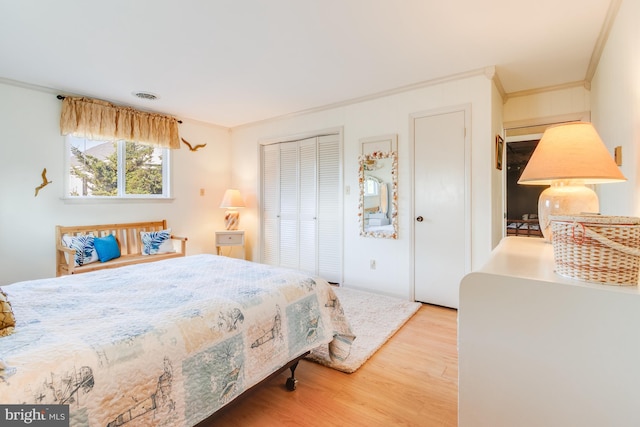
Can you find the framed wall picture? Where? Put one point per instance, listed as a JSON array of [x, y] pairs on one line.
[[499, 151]]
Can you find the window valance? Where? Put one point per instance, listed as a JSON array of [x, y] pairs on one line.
[[101, 120]]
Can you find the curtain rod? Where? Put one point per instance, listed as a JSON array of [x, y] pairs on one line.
[[61, 97]]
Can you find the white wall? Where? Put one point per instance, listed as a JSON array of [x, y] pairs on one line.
[[538, 106], [498, 186], [615, 98], [379, 116], [30, 140]]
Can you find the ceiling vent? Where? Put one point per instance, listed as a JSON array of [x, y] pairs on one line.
[[146, 95]]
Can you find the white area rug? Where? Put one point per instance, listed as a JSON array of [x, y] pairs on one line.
[[374, 319]]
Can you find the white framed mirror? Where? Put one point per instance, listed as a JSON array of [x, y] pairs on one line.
[[378, 207]]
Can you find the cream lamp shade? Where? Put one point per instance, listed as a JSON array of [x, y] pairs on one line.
[[567, 157], [231, 201]]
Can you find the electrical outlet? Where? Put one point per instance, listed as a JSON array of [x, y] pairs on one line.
[[372, 264]]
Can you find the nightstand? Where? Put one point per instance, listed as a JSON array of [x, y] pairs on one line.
[[230, 238]]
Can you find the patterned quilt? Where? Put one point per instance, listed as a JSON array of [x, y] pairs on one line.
[[164, 343]]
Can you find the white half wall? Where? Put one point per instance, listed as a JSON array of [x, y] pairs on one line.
[[379, 116], [30, 140]]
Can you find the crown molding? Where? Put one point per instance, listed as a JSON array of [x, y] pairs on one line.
[[500, 88], [17, 83], [528, 92], [377, 95], [609, 20], [52, 91]]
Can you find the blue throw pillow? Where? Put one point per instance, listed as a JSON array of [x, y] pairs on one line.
[[107, 248]]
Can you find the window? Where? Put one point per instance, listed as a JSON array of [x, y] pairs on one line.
[[116, 169], [371, 186]]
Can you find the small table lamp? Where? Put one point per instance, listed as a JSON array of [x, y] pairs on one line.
[[232, 200], [567, 157]]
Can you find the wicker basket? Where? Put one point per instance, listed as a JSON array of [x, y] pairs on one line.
[[598, 249]]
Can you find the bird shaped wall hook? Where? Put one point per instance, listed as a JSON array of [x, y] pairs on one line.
[[44, 181], [192, 148]]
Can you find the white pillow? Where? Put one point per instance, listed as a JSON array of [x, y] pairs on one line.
[[156, 242], [85, 249]]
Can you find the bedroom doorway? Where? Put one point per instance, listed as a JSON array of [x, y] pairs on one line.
[[522, 200], [441, 193]]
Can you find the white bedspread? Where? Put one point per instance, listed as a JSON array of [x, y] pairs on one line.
[[161, 344]]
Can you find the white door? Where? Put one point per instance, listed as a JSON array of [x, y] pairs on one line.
[[441, 204]]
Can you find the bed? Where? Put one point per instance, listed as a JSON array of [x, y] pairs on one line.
[[165, 343], [523, 228]]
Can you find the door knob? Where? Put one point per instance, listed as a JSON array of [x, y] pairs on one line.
[[419, 219]]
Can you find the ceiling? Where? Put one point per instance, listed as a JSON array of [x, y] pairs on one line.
[[231, 62]]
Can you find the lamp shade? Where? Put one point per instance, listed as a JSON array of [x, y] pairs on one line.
[[571, 151], [232, 199], [567, 157]]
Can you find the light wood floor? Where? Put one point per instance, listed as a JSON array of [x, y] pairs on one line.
[[411, 381]]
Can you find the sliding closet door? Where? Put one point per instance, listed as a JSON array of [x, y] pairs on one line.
[[271, 204], [302, 206], [288, 247], [329, 208], [307, 216]]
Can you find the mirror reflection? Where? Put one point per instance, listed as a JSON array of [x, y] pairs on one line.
[[378, 195]]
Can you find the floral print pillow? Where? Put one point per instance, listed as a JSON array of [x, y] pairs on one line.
[[85, 249], [156, 242]]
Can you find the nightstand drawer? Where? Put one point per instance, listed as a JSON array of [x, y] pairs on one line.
[[230, 238]]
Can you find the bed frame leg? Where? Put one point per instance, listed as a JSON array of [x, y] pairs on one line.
[[292, 381]]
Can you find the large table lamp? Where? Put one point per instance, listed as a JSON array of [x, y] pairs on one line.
[[567, 157], [232, 200]]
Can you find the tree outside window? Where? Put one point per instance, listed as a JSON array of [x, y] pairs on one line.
[[116, 169]]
